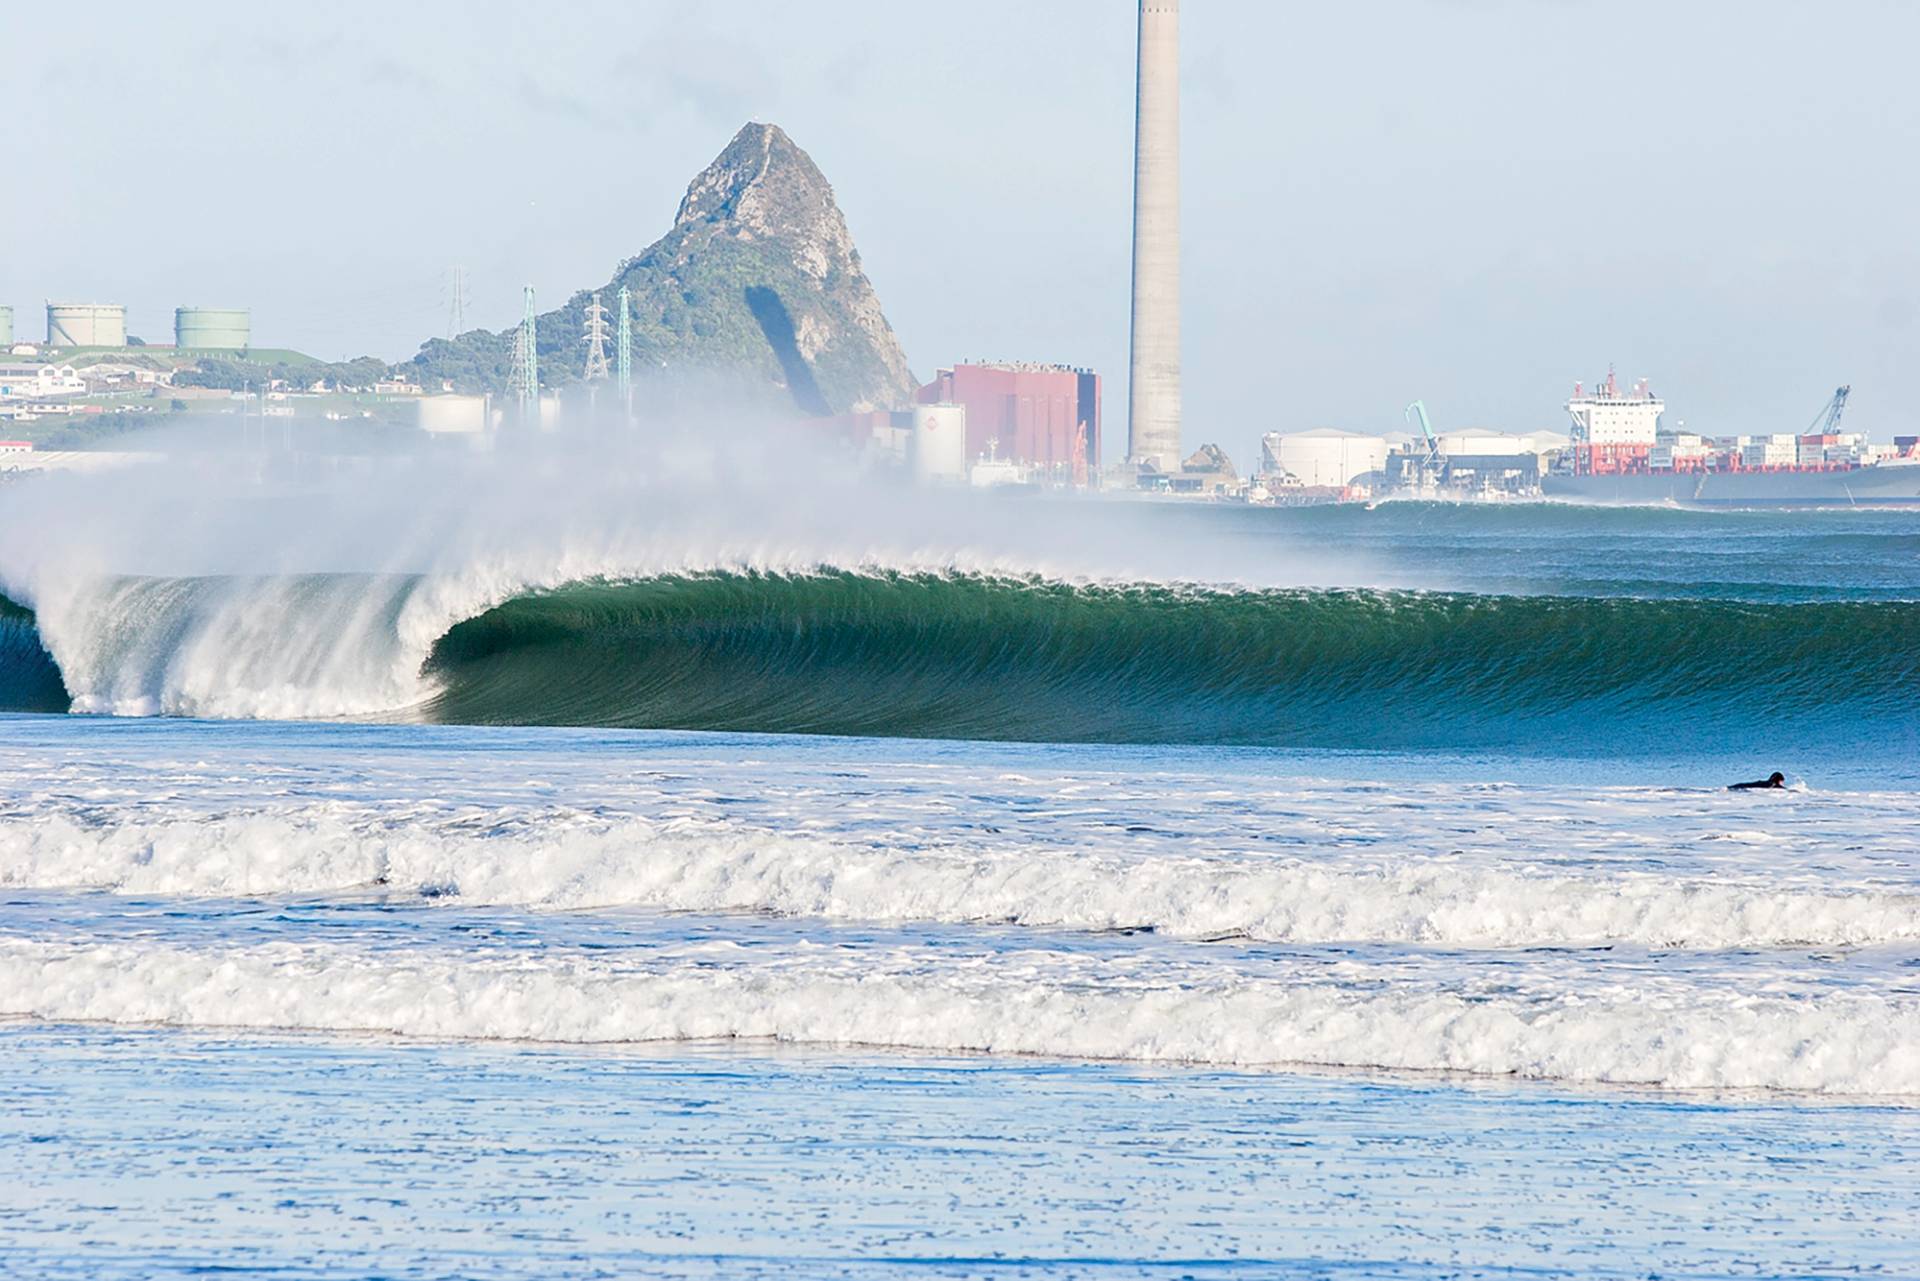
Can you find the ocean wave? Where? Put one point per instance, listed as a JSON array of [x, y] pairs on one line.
[[29, 680], [576, 862], [1684, 1038], [963, 655]]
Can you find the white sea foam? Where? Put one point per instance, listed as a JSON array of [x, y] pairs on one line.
[[570, 861], [1671, 1036]]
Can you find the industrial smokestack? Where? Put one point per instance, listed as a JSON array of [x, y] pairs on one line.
[[1153, 405]]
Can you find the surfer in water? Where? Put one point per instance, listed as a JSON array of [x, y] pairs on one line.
[[1771, 782]]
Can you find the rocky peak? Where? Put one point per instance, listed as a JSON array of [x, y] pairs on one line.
[[761, 182], [763, 187], [757, 281]]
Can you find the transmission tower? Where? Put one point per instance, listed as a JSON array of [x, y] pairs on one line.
[[623, 353], [456, 302], [526, 365], [596, 341]]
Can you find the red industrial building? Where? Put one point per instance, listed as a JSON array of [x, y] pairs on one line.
[[1042, 415]]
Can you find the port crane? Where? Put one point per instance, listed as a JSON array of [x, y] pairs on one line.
[[1417, 413], [1827, 423]]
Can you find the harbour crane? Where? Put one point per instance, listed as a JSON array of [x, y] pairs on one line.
[[1417, 412], [1828, 421]]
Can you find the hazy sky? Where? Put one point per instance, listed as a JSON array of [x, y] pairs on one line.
[[1471, 201]]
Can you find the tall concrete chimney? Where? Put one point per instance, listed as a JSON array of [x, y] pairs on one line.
[[1153, 403]]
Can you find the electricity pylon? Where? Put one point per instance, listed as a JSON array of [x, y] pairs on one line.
[[596, 341], [623, 353], [456, 302], [526, 365]]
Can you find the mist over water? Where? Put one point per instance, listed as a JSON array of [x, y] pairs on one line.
[[750, 577], [198, 586]]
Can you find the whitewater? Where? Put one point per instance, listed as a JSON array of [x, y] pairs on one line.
[[1680, 938], [693, 817]]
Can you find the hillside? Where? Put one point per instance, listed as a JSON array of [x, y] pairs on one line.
[[757, 291]]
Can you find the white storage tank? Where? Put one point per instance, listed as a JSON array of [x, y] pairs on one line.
[[6, 327], [212, 328], [1325, 458], [453, 415], [939, 450], [86, 324]]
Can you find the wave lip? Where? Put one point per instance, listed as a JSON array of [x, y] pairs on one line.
[[1844, 1044], [697, 866]]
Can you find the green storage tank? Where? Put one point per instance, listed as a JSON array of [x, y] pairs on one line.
[[212, 329], [86, 324]]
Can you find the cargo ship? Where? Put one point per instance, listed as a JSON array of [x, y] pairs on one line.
[[1618, 454]]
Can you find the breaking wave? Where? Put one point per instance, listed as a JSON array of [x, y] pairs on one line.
[[29, 681], [961, 655], [1023, 1003], [573, 862]]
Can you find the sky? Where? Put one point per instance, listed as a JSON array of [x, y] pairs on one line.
[[1470, 202]]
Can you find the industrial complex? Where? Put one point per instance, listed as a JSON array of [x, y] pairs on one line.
[[88, 326], [979, 423]]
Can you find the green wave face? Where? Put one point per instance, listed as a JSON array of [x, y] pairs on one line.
[[967, 657], [979, 658], [29, 680]]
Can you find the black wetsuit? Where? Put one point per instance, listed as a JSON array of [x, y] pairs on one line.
[[1777, 780]]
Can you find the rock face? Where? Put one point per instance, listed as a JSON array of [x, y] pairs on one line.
[[757, 291]]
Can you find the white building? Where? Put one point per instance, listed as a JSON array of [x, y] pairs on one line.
[[1609, 416], [39, 382], [454, 415], [1484, 443], [1323, 458]]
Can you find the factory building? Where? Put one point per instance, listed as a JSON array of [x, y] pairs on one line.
[[1325, 458], [1474, 462], [1484, 444], [1044, 416], [86, 324], [212, 329], [454, 415]]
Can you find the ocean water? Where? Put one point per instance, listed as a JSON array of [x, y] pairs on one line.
[[701, 911]]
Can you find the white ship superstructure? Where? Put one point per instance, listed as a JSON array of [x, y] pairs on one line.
[[1608, 416]]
